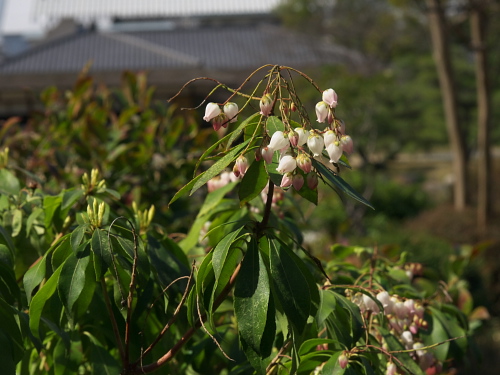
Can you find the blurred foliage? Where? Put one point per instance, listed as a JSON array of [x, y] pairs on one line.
[[142, 147]]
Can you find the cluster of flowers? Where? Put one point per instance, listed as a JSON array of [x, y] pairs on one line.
[[406, 318], [221, 118], [294, 161]]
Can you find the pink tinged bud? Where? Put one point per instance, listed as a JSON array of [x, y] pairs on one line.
[[240, 166], [391, 369], [400, 310], [298, 182], [211, 110], [287, 180], [343, 361], [303, 134], [287, 164], [329, 136], [410, 307], [219, 121], [231, 111], [413, 328], [334, 151], [266, 105], [330, 98], [339, 127], [278, 141], [347, 145], [293, 137], [315, 144], [267, 154], [312, 180], [258, 154], [304, 163], [322, 111]]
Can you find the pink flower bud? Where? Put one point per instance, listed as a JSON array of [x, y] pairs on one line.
[[370, 304], [304, 162], [211, 110], [219, 121], [298, 182], [343, 361], [267, 154], [330, 98], [231, 111], [329, 137], [287, 164], [322, 111], [312, 180], [315, 144], [407, 339], [266, 105], [286, 180], [293, 137], [334, 151], [347, 145], [278, 141], [241, 166], [303, 134]]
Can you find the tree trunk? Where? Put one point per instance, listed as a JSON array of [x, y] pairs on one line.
[[477, 25], [441, 53]]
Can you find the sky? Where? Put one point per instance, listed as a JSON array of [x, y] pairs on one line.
[[18, 17]]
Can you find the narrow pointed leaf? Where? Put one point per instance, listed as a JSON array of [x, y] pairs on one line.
[[297, 290], [339, 183], [72, 280], [251, 297]]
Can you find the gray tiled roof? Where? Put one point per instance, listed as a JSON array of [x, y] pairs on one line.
[[221, 48], [145, 8]]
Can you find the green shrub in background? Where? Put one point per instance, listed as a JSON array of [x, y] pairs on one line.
[[91, 283]]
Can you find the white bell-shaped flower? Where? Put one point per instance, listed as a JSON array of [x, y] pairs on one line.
[[211, 110], [303, 134], [330, 97], [334, 151], [322, 111], [278, 141], [315, 143], [231, 111], [287, 164]]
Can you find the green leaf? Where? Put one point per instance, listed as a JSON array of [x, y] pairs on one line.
[[77, 237], [9, 289], [67, 361], [9, 184], [71, 196], [221, 250], [6, 359], [17, 222], [34, 276], [219, 166], [251, 297], [5, 239], [274, 124], [248, 122], [72, 280], [102, 251], [39, 300], [32, 219], [102, 362], [295, 286], [339, 183], [50, 205], [309, 194], [254, 181], [10, 326], [213, 199]]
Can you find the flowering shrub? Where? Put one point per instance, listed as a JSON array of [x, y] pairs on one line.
[[85, 289]]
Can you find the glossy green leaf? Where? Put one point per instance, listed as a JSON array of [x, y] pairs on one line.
[[50, 205], [70, 197], [336, 180], [76, 237], [32, 218], [309, 194], [6, 359], [17, 222], [295, 286], [102, 250], [213, 199], [39, 300], [219, 166], [72, 280], [209, 150], [252, 120], [274, 124], [221, 250], [5, 239], [67, 361], [251, 297], [254, 181]]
